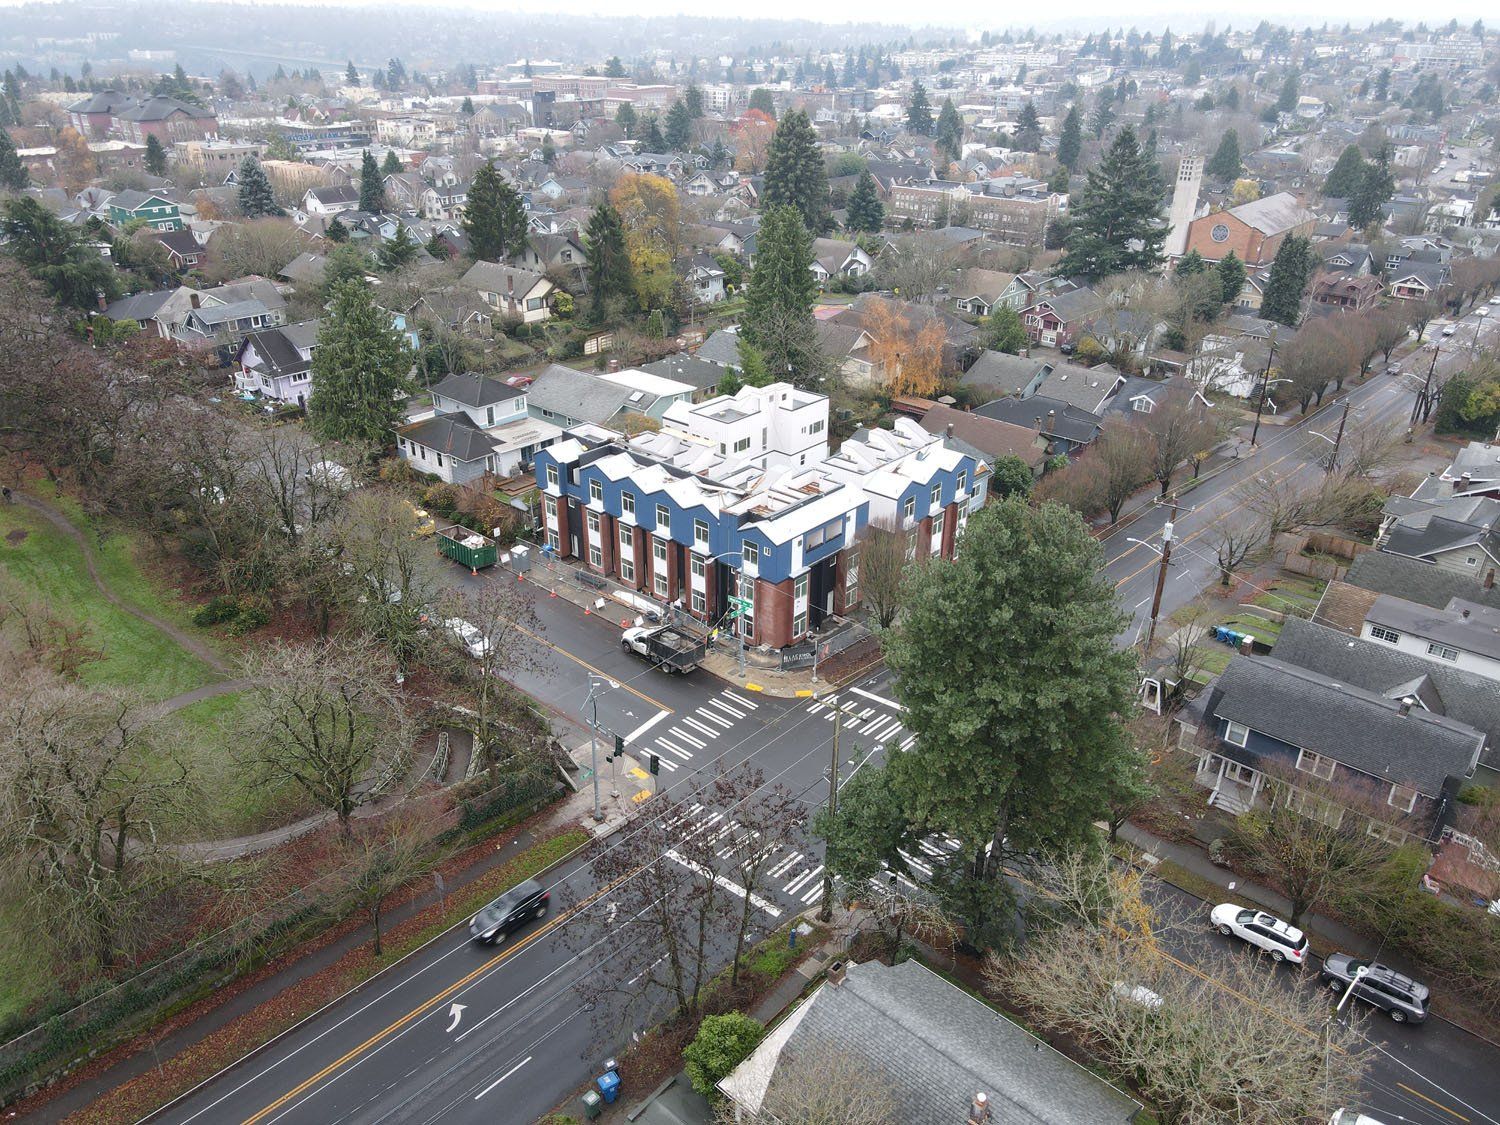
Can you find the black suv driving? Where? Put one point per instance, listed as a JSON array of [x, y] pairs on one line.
[[509, 912], [1396, 994]]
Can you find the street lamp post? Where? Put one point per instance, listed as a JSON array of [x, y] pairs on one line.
[[591, 701]]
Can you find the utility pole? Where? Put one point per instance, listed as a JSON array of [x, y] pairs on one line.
[[1260, 405], [1426, 384], [825, 912], [1161, 576], [594, 748], [1333, 458]]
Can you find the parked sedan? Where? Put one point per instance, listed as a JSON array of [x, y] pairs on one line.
[[1396, 994], [1283, 941], [469, 635]]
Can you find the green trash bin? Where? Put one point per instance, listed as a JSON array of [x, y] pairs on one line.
[[593, 1104]]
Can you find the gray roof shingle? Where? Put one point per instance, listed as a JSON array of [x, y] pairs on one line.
[[1417, 581], [452, 434], [474, 389]]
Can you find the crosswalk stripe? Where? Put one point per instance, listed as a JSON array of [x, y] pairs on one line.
[[696, 725], [685, 755], [741, 700], [791, 887], [668, 764], [678, 732], [908, 742], [815, 708], [722, 706], [784, 866], [712, 717], [817, 890]]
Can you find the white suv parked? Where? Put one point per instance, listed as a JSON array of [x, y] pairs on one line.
[[1266, 932]]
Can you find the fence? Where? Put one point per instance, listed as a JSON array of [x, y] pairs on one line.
[[80, 1027]]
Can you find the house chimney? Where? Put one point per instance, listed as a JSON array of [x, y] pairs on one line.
[[979, 1109], [1051, 419], [1463, 482], [1489, 579], [948, 433], [194, 300], [836, 972], [1464, 614], [1405, 706], [510, 283]]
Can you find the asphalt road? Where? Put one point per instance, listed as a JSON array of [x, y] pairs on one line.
[[460, 1033]]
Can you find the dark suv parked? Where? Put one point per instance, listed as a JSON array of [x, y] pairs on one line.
[[509, 912], [1396, 994]]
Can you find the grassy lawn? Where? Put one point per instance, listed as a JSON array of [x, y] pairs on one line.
[[204, 736], [40, 558], [1261, 628], [1291, 594]]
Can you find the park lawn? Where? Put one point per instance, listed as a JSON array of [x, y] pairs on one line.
[[136, 654], [237, 804]]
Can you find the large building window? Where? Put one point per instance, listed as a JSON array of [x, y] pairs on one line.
[[663, 519], [551, 476], [596, 491], [627, 554], [627, 503], [750, 554], [1381, 633], [700, 533], [659, 568]]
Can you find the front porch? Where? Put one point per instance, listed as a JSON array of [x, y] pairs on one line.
[[1234, 787]]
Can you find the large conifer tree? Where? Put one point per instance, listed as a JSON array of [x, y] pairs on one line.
[[608, 263], [1116, 219], [795, 175], [494, 217], [359, 367], [866, 213], [255, 197], [1070, 141], [780, 296], [371, 185]]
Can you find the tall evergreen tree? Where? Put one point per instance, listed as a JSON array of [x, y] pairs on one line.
[[1374, 190], [865, 213], [1190, 264], [156, 156], [371, 185], [949, 132], [1291, 270], [1225, 162], [336, 231], [55, 253], [391, 165], [1115, 223], [1070, 141], [651, 138], [779, 298], [795, 175], [692, 98], [1231, 274], [679, 131], [13, 175], [1291, 90], [255, 196], [761, 100], [608, 263], [1017, 702], [1028, 129], [360, 366], [1345, 175], [351, 74], [398, 251], [919, 111], [625, 118], [494, 218], [614, 68]]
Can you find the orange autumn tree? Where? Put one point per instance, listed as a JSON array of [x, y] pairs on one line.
[[752, 141], [652, 217], [910, 356]]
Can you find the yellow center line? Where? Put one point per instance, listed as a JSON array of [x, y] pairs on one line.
[[1430, 1102], [427, 1005], [541, 640]]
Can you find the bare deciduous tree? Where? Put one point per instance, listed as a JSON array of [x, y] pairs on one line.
[[767, 819], [1223, 1041], [1234, 542], [383, 858], [329, 719], [505, 617], [821, 1089], [1123, 453], [883, 561], [1180, 428]]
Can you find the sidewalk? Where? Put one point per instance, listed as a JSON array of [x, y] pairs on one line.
[[595, 595]]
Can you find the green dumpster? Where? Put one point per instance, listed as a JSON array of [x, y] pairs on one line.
[[465, 547]]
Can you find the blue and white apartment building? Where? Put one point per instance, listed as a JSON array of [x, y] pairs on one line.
[[739, 496]]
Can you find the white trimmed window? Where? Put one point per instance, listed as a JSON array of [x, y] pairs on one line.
[[596, 491], [627, 503], [659, 568], [663, 519], [750, 554], [1381, 633], [593, 525], [799, 588], [700, 533], [1316, 764], [698, 566], [551, 507], [1236, 734], [962, 482], [742, 445], [1402, 797], [1442, 652], [938, 523], [700, 603], [627, 553], [909, 509], [937, 495], [799, 624], [551, 476], [553, 541]]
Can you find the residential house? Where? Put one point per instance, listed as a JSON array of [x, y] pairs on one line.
[[512, 291], [704, 377], [305, 270], [1456, 533], [997, 374], [1253, 231], [159, 310], [1348, 259], [1088, 388], [705, 280], [1346, 602], [739, 497], [156, 211], [834, 257], [95, 114], [1264, 721], [1462, 633], [1475, 471], [1417, 280], [478, 426], [1138, 395], [986, 439], [224, 326], [183, 249], [545, 252], [980, 291], [722, 348], [1347, 293], [444, 200], [1061, 318], [334, 199], [937, 1054], [566, 397], [403, 190], [167, 119], [1068, 429], [276, 363]]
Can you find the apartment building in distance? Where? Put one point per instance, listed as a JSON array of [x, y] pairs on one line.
[[739, 497]]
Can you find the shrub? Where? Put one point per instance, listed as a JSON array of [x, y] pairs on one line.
[[441, 498], [251, 616], [722, 1043], [216, 612]]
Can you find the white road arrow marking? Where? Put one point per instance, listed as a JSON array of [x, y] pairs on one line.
[[456, 1010]]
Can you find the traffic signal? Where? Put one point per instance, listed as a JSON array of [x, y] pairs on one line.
[[619, 746], [655, 762]]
